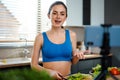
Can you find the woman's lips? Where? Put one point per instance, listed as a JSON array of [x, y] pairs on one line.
[[57, 21]]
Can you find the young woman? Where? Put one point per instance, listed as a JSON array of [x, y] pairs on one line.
[[58, 45]]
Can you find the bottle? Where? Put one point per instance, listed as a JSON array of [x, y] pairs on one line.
[[90, 47], [83, 48]]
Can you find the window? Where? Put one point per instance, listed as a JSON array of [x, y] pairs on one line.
[[23, 18], [18, 19]]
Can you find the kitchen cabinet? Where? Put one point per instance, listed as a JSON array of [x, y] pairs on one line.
[[84, 66]]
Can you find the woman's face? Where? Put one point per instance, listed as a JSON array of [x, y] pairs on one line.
[[57, 15]]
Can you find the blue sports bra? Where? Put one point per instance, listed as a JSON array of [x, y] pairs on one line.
[[56, 52]]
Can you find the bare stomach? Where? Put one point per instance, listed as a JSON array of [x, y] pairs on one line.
[[63, 67]]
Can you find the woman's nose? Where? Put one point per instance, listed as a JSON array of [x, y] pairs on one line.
[[58, 15]]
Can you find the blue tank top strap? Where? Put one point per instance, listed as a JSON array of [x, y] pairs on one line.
[[45, 36], [68, 35]]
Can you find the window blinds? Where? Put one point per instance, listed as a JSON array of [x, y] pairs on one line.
[[8, 23], [39, 17], [18, 18]]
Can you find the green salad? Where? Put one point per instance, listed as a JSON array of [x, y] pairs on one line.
[[80, 76], [96, 70]]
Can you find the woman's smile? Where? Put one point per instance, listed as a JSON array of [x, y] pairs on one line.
[[58, 21]]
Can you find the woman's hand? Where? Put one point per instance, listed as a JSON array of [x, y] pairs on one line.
[[78, 55], [55, 74]]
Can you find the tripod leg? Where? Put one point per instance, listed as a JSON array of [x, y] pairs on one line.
[[101, 76]]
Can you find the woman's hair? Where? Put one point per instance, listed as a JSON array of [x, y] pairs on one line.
[[57, 3]]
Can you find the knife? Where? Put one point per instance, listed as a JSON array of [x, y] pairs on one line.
[[63, 78]]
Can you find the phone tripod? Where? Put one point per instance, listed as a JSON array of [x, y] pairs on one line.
[[105, 51]]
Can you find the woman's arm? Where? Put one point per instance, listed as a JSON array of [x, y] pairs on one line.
[[35, 58], [35, 55], [76, 54]]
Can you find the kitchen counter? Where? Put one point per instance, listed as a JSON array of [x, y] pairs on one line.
[[95, 56], [14, 62], [117, 76]]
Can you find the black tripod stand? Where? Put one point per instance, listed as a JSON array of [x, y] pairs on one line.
[[105, 51]]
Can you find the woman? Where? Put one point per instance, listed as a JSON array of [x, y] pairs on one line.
[[58, 45]]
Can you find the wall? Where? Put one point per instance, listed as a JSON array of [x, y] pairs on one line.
[[112, 12], [79, 30], [102, 11], [97, 12], [75, 12]]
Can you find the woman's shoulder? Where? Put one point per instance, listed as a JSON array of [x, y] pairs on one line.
[[39, 37], [72, 33]]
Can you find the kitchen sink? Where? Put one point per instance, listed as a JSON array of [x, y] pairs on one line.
[[1, 63], [15, 60]]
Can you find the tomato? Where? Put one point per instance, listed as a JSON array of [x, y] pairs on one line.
[[114, 71]]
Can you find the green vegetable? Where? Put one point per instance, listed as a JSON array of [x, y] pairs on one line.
[[96, 70], [79, 76], [24, 74]]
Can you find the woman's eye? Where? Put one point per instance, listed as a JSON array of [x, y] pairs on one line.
[[54, 13], [62, 14]]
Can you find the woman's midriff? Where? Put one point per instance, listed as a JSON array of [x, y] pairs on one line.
[[63, 67]]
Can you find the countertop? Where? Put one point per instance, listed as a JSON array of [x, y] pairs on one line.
[[13, 62], [117, 76]]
